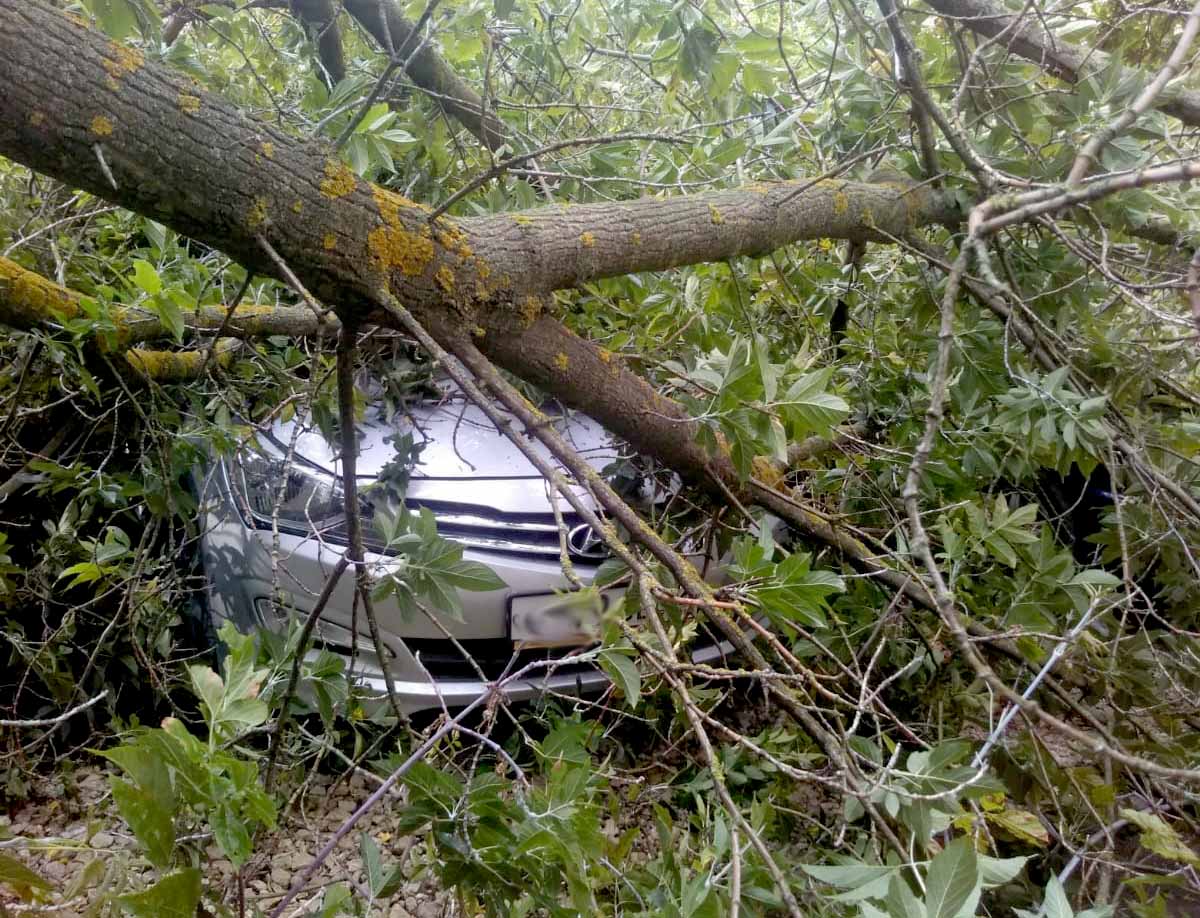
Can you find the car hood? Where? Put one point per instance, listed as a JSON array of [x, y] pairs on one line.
[[465, 459]]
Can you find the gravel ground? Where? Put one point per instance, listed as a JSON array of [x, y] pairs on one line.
[[74, 838]]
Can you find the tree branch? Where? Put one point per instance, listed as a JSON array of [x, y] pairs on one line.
[[1067, 62], [28, 300], [429, 70]]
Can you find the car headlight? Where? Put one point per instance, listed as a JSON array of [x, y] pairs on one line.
[[303, 499]]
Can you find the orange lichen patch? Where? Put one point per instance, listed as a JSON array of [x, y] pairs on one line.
[[297, 206], [483, 269], [392, 245], [268, 149], [586, 239], [390, 204], [522, 219], [329, 242], [478, 331], [841, 203], [561, 361], [101, 126], [37, 119], [257, 214], [445, 278], [605, 354], [188, 103], [123, 61], [715, 215], [339, 179], [396, 247]]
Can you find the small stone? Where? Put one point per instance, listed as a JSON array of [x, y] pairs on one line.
[[102, 840]]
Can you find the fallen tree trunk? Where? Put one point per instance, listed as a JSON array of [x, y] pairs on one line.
[[94, 114]]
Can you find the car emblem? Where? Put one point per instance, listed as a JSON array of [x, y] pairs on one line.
[[587, 543]]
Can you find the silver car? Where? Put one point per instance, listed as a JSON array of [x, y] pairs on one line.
[[273, 530]]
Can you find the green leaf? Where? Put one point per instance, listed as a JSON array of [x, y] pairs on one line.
[[117, 18], [849, 876], [141, 762], [231, 833], [1161, 838], [952, 881], [146, 277], [996, 871], [209, 687], [809, 408], [152, 824], [16, 875], [1021, 824], [473, 576], [624, 672], [1056, 904], [901, 901], [174, 896], [372, 862]]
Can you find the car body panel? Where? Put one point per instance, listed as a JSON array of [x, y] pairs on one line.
[[482, 491]]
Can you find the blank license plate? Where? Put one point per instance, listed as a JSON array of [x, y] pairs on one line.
[[558, 620]]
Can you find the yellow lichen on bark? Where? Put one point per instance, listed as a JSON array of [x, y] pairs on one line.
[[445, 278], [101, 126], [37, 119], [766, 471], [339, 179], [268, 149], [165, 366], [715, 215], [635, 238], [530, 309], [329, 242], [587, 239], [257, 214], [189, 104], [394, 246], [841, 203], [123, 62], [561, 361], [33, 298], [297, 206]]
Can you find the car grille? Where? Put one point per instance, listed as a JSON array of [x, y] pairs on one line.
[[524, 534]]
